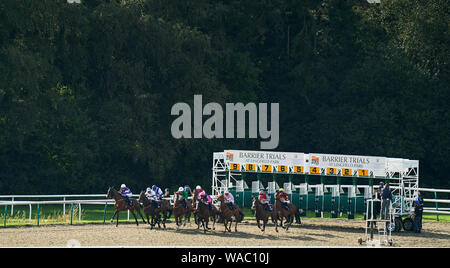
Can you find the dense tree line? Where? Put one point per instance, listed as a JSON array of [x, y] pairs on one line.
[[86, 89]]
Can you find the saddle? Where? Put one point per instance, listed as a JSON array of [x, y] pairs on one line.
[[156, 204], [267, 207], [285, 206], [230, 206], [128, 201]]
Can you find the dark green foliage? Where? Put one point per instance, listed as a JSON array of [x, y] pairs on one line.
[[86, 90]]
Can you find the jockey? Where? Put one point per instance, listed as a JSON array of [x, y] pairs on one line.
[[199, 189], [229, 200], [126, 193], [151, 195], [205, 199], [284, 198], [182, 195], [158, 192], [265, 199]]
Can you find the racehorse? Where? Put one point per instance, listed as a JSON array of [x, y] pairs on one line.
[[262, 214], [151, 209], [283, 213], [121, 204], [179, 211], [203, 214], [229, 215]]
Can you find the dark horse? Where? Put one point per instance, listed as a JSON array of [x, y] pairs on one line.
[[263, 214], [204, 213], [121, 204], [229, 215], [151, 210], [179, 211], [284, 213]]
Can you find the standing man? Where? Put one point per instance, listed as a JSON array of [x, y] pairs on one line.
[[417, 217], [386, 199]]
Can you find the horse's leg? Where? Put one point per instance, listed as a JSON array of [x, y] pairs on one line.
[[235, 226], [257, 221], [140, 214], [225, 222], [197, 220], [117, 223], [291, 219], [275, 221], [134, 215], [205, 225], [164, 219], [159, 221], [112, 219]]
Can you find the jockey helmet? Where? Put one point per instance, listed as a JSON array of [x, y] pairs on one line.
[[281, 190], [154, 187], [198, 187], [261, 192], [149, 189], [180, 189], [123, 186], [227, 193]]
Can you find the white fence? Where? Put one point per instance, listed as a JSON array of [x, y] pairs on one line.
[[60, 199]]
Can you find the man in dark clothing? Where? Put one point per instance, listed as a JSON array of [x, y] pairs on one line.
[[420, 198], [377, 205], [417, 217], [386, 199]]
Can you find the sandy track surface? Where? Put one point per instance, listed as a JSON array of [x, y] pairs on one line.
[[312, 232]]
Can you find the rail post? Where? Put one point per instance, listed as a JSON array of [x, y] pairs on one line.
[[6, 212], [437, 208], [307, 197], [71, 214], [37, 217], [338, 182]]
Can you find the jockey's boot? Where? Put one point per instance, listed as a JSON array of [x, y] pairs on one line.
[[128, 201]]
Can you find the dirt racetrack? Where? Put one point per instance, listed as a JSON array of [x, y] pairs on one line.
[[312, 232]]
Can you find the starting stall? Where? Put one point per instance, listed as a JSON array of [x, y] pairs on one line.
[[340, 185]]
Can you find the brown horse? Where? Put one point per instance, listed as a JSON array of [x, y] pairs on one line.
[[151, 210], [121, 204], [203, 214], [194, 205], [283, 213], [179, 211], [229, 215], [262, 214]]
